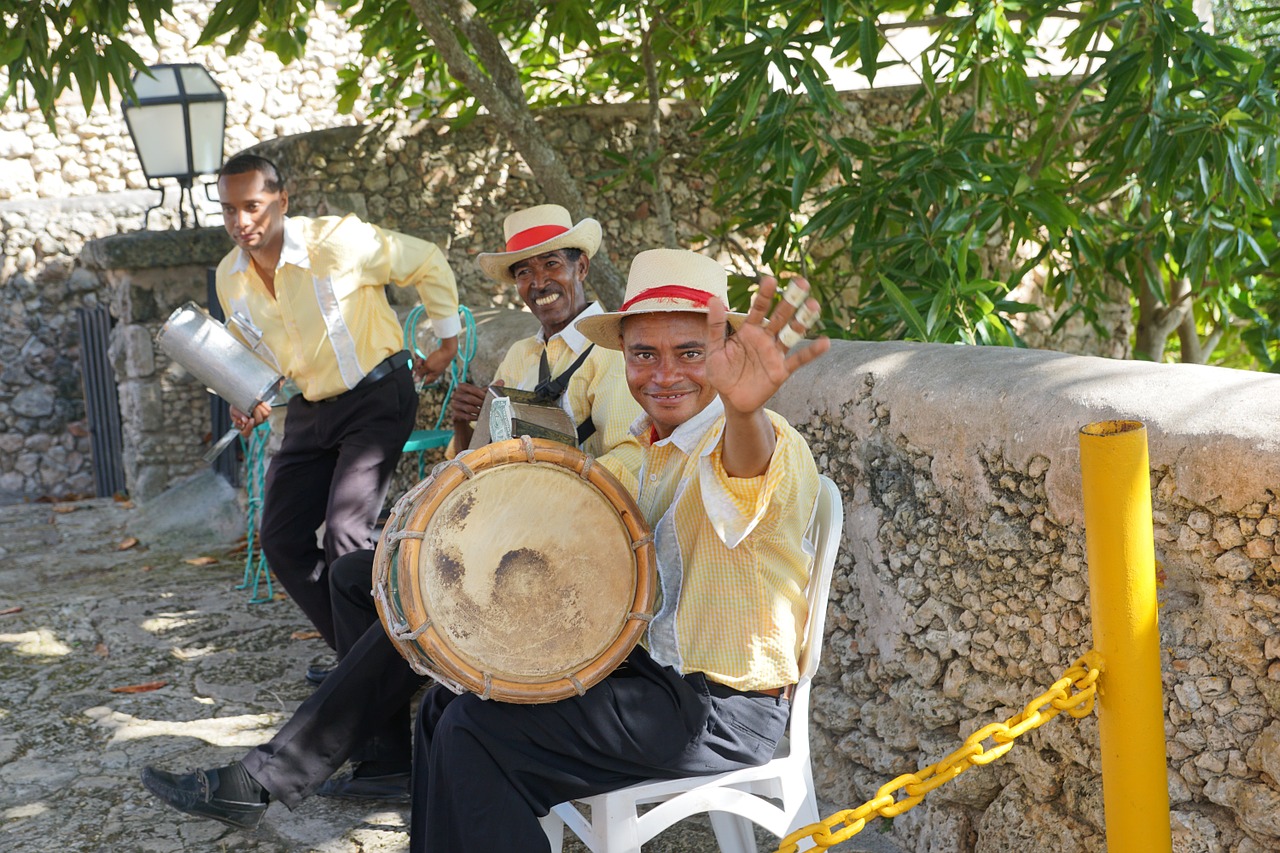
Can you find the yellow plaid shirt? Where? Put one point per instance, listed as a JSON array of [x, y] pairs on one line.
[[330, 323], [733, 553], [597, 390]]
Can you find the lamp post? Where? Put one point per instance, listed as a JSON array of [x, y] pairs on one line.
[[177, 119]]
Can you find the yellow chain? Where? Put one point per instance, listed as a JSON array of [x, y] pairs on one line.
[[843, 825]]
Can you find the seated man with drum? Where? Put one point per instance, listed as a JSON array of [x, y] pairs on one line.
[[361, 710], [729, 490]]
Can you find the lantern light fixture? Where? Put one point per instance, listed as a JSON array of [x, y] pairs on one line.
[[177, 119]]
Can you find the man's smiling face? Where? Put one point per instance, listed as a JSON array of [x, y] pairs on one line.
[[666, 356], [551, 285]]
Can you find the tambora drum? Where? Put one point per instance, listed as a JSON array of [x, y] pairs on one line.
[[521, 572]]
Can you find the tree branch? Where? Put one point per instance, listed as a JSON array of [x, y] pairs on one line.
[[500, 93], [1156, 321], [661, 200]]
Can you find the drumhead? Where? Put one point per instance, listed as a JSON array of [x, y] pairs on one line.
[[523, 573], [536, 589]]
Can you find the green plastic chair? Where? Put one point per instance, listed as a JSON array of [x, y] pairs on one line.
[[422, 440]]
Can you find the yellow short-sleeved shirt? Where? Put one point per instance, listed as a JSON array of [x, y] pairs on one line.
[[597, 390]]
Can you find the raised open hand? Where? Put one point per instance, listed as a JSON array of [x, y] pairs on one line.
[[749, 366]]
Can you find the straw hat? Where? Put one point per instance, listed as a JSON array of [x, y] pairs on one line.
[[535, 231], [663, 280]]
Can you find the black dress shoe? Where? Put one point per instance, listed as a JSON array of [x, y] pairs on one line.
[[317, 673], [195, 794], [392, 788]]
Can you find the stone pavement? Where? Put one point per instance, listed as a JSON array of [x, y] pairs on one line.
[[85, 612]]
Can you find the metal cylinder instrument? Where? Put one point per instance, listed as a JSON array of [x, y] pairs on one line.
[[217, 358]]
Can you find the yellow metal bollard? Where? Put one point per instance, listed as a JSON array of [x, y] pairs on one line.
[[1122, 591]]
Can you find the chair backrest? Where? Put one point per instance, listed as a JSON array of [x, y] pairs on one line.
[[828, 525]]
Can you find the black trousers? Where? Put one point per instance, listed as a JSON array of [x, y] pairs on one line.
[[485, 771], [361, 710], [334, 467]]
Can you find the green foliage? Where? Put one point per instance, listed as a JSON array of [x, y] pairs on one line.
[[1156, 168], [283, 24], [50, 46], [1249, 21], [1152, 165]]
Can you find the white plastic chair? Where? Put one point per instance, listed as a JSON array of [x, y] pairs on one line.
[[735, 799]]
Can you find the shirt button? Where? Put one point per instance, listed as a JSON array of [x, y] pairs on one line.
[[653, 478]]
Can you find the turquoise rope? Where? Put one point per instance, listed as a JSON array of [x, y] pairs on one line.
[[255, 476], [461, 362]]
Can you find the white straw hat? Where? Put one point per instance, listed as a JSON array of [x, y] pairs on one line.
[[535, 231], [663, 280]]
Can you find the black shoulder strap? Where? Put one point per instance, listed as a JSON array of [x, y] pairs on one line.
[[549, 389]]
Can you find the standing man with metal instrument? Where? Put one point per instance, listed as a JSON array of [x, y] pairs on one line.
[[307, 295]]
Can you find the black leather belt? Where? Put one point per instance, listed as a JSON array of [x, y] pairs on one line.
[[380, 371], [723, 691]]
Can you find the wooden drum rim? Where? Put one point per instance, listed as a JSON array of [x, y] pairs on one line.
[[401, 543]]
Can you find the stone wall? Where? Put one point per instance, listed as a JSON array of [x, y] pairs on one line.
[[961, 590], [455, 186], [44, 440], [450, 186], [164, 412]]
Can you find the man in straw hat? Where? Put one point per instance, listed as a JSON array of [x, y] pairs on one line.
[[548, 258], [361, 709], [728, 489]]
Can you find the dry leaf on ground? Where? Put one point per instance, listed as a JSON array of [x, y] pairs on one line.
[[127, 543], [101, 650], [140, 688], [305, 635], [64, 508], [9, 611], [201, 561]]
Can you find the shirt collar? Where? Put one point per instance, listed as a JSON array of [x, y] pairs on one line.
[[294, 250], [575, 340], [690, 434]]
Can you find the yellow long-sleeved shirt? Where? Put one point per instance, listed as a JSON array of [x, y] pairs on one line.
[[329, 322]]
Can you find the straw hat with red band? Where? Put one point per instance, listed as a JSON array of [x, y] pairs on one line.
[[663, 281], [535, 231]]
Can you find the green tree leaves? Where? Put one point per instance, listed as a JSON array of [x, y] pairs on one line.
[[1148, 172]]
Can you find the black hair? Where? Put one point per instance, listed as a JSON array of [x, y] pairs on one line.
[[240, 164]]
